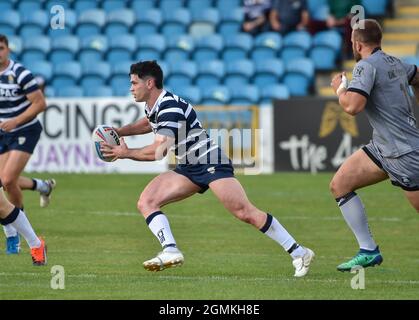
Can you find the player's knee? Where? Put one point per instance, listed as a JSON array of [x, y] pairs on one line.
[[244, 213], [8, 182], [146, 205], [335, 187]]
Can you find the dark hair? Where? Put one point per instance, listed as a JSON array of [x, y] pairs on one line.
[[145, 69], [371, 34], [4, 39]]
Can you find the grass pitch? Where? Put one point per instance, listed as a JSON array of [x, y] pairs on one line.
[[93, 230]]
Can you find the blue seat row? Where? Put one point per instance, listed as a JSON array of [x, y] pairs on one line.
[[324, 48], [214, 95], [111, 5], [297, 75]]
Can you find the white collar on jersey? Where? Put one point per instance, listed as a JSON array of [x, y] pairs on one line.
[[9, 66], [156, 103]]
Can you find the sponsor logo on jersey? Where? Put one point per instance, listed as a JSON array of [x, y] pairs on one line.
[[21, 140]]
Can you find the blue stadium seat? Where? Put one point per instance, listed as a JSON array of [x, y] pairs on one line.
[[182, 73], [217, 95], [165, 67], [147, 22], [121, 48], [95, 74], [36, 48], [120, 80], [198, 4], [93, 49], [63, 3], [228, 5], [142, 5], [274, 91], [244, 95], [376, 8], [49, 92], [25, 6], [121, 68], [83, 5], [64, 49], [16, 46], [204, 21], [269, 71], [299, 76], [119, 22], [170, 5], [210, 73], [179, 48], [69, 91], [90, 23], [296, 45], [237, 46], [231, 22], [34, 24], [326, 49], [151, 47], [9, 22], [99, 91], [175, 22], [239, 72], [111, 5], [267, 45], [411, 60], [208, 48], [120, 86], [41, 68], [70, 21], [66, 74], [318, 9], [6, 5], [191, 94]]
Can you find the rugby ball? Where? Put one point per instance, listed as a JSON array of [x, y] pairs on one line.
[[104, 133]]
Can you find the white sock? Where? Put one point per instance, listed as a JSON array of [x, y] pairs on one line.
[[41, 185], [9, 231], [354, 213], [159, 225], [23, 226], [274, 230]]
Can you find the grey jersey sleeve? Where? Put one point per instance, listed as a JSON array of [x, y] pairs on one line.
[[363, 78], [411, 70]]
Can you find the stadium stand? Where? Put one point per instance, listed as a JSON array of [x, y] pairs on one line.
[[199, 44]]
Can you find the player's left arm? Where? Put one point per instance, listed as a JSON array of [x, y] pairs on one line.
[[415, 85], [37, 105], [155, 151]]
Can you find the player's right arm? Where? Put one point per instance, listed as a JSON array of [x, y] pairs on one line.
[[142, 126]]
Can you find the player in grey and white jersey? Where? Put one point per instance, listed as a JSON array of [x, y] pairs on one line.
[[380, 86]]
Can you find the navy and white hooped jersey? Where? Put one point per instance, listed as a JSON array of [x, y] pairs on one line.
[[172, 116], [15, 83]]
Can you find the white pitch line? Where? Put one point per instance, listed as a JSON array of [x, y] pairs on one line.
[[180, 216], [217, 278]]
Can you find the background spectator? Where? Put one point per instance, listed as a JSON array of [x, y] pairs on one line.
[[339, 18], [288, 15], [256, 16]]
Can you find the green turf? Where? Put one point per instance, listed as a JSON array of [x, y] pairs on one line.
[[93, 231]]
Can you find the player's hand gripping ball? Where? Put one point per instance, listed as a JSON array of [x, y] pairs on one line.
[[107, 134]]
